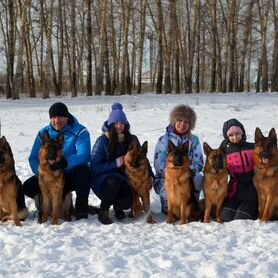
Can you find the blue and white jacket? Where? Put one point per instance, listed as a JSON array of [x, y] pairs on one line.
[[76, 147], [161, 153]]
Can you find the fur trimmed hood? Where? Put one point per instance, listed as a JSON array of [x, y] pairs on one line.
[[183, 112]]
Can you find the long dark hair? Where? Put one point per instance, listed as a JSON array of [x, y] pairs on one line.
[[114, 140]]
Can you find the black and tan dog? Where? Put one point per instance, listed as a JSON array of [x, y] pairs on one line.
[[52, 182], [9, 186], [138, 173], [215, 180], [179, 185], [266, 173]]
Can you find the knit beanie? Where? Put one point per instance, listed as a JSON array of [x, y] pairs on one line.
[[183, 112], [58, 109], [233, 125], [117, 114]]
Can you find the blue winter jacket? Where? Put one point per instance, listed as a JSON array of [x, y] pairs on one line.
[[76, 147], [161, 152], [101, 166]]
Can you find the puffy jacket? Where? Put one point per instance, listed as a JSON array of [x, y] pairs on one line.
[[76, 147], [161, 153], [241, 170], [101, 166]]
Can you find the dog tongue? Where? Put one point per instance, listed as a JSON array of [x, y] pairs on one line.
[[265, 160]]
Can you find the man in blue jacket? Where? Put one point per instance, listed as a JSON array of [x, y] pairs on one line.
[[76, 155]]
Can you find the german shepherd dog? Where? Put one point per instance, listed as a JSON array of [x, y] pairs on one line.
[[215, 180], [9, 186], [179, 184], [137, 170], [52, 182], [266, 173]]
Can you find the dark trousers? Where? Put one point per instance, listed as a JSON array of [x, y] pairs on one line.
[[233, 210], [77, 180], [20, 198], [115, 191]]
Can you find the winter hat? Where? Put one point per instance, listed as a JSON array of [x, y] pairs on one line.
[[233, 125], [58, 109], [183, 112], [117, 114]]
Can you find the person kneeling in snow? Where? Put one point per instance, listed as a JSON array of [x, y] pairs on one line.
[[76, 156], [182, 122]]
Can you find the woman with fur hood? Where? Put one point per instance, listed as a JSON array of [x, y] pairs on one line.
[[182, 122]]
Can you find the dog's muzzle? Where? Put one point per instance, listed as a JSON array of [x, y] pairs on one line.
[[51, 156], [219, 163]]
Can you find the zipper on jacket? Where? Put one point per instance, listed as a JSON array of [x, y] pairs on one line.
[[246, 158], [242, 160]]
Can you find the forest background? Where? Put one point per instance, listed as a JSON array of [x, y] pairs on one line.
[[114, 47]]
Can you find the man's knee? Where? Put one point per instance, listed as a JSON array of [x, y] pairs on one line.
[[30, 187]]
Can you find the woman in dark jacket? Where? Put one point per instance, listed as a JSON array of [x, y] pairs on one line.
[[242, 200], [109, 182]]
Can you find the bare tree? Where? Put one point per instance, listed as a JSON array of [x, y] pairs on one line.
[[18, 78], [160, 61], [143, 7], [263, 10], [89, 48], [246, 41], [274, 81], [213, 9], [125, 80], [73, 49], [10, 48], [102, 37]]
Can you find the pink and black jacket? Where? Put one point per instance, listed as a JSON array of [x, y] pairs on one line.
[[240, 166]]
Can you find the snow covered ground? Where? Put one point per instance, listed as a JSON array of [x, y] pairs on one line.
[[132, 248]]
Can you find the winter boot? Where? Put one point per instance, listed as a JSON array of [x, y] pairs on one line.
[[103, 217], [119, 213]]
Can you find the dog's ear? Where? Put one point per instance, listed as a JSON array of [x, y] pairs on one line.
[[223, 146], [258, 135], [185, 146], [145, 147], [207, 148], [130, 147], [171, 146], [273, 136], [60, 138], [3, 140], [134, 143], [45, 136]]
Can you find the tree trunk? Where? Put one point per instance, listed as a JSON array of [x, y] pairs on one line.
[[100, 62], [246, 41], [263, 9], [274, 81], [73, 50], [143, 6], [11, 49], [18, 78], [213, 44], [160, 63]]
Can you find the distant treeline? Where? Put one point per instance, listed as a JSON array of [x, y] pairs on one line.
[[117, 47]]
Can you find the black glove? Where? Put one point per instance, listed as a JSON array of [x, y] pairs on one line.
[[62, 164]]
